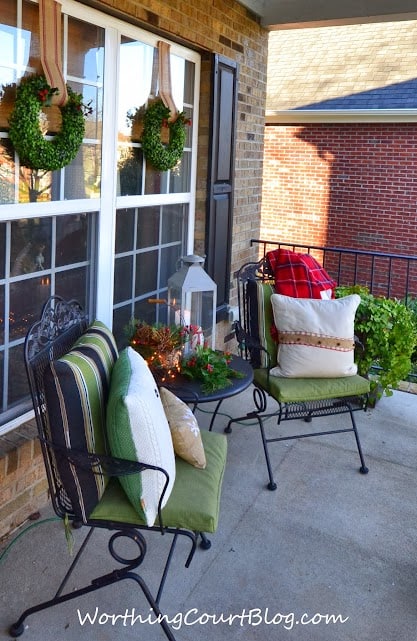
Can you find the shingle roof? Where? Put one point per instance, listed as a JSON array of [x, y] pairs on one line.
[[367, 66]]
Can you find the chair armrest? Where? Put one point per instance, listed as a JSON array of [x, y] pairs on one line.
[[103, 464]]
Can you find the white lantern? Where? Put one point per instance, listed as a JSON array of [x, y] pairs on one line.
[[192, 298]]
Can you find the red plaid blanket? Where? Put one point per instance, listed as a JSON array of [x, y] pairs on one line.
[[299, 275]]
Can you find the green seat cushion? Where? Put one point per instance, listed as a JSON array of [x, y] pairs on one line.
[[194, 502], [288, 390]]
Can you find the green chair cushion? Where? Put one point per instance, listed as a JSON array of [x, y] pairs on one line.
[[289, 390], [194, 502], [76, 391], [260, 321]]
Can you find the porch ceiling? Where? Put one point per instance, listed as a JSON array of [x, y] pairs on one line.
[[286, 14]]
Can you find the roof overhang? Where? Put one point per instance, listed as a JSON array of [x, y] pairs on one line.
[[303, 116], [289, 14]]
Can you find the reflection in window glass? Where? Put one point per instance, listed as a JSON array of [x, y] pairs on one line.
[[189, 75], [129, 170], [26, 299], [85, 50], [125, 224], [121, 318], [74, 283], [174, 223], [123, 274], [155, 181], [30, 23], [30, 249], [169, 263], [179, 179], [71, 239], [7, 175], [148, 227], [2, 249], [133, 94], [2, 317], [17, 381], [163, 228], [82, 176], [146, 273], [38, 269]]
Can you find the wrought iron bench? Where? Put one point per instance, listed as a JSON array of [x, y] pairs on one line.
[[296, 398], [85, 481]]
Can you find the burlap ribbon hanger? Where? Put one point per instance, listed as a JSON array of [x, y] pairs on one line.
[[51, 48], [161, 74]]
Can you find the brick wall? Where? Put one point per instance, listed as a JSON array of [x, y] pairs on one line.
[[23, 486], [224, 27], [347, 185]]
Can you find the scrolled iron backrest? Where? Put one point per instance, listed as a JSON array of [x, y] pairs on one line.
[[251, 271], [60, 325]]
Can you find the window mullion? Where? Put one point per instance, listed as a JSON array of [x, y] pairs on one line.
[[106, 238]]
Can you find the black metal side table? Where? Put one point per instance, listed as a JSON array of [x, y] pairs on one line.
[[191, 392]]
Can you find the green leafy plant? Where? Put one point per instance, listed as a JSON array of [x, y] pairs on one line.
[[34, 151], [386, 333], [210, 367], [163, 157]]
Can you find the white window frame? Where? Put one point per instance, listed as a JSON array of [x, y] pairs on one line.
[[108, 203]]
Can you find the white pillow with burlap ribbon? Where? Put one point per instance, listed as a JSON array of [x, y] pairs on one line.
[[316, 337]]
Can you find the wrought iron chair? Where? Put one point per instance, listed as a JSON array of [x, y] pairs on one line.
[[52, 337], [297, 398]]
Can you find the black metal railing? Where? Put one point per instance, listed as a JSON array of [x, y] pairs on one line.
[[390, 275]]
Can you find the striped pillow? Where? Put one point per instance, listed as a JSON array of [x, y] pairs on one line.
[[261, 320], [76, 392]]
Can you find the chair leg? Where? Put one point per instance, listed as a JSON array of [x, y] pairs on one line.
[[17, 628], [271, 485], [363, 468]]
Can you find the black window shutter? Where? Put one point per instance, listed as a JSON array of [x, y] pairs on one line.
[[221, 174]]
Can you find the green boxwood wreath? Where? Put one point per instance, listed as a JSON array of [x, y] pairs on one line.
[[160, 156], [34, 151]]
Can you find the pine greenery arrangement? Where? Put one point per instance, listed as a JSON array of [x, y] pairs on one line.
[[210, 367]]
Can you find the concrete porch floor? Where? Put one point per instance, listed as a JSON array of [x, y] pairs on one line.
[[328, 541]]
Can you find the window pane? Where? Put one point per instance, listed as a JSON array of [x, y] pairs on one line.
[[71, 239], [125, 222], [179, 180], [129, 170], [155, 181], [82, 176], [173, 227], [74, 283], [18, 385], [135, 58], [148, 227], [123, 274], [85, 50], [30, 23], [2, 315], [189, 75], [30, 245], [7, 175], [2, 249], [26, 300], [121, 318], [146, 273], [169, 260], [146, 312]]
